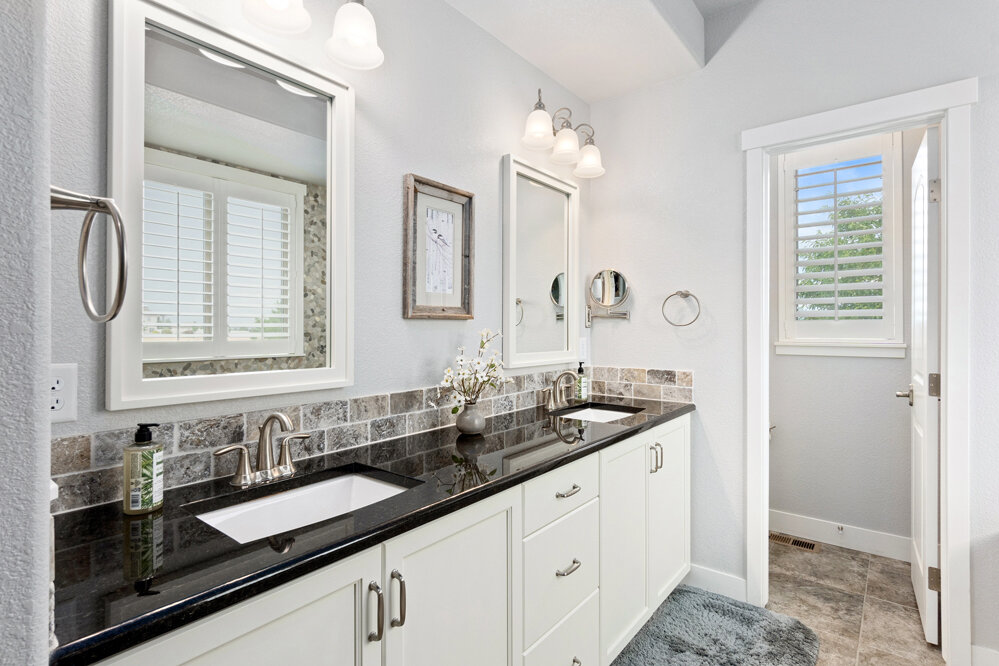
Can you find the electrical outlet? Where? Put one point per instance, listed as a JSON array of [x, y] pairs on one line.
[[62, 392]]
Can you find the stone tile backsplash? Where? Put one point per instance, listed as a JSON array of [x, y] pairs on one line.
[[88, 469]]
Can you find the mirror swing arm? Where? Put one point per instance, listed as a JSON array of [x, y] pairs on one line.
[[607, 314]]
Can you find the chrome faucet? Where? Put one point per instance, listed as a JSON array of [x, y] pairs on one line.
[[265, 448], [266, 469], [559, 398]]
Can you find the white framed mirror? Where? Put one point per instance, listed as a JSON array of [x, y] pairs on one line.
[[541, 299], [232, 169]]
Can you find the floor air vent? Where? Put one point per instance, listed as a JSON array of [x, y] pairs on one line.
[[787, 540]]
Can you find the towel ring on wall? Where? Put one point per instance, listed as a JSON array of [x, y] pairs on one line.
[[66, 200], [683, 293], [520, 306]]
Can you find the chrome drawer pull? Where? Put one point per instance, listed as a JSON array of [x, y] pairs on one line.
[[655, 460], [572, 568], [377, 635], [659, 456], [568, 493], [401, 620]]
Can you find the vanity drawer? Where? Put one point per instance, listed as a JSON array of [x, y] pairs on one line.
[[555, 494], [576, 637], [561, 569]]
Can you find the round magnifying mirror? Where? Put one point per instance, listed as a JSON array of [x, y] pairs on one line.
[[558, 290], [608, 289]]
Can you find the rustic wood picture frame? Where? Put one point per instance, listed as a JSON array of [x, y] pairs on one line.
[[413, 227]]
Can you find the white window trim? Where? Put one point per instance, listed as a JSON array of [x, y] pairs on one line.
[[225, 181], [843, 338], [126, 388]]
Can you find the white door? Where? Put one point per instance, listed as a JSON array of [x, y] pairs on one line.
[[669, 510], [624, 605], [324, 618], [925, 361], [461, 575]]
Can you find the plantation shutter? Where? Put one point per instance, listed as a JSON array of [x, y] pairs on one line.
[[258, 270], [178, 256], [839, 263]]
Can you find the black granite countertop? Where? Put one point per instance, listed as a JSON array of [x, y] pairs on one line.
[[123, 580]]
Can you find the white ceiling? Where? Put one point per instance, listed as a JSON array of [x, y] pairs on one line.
[[709, 7], [597, 48]]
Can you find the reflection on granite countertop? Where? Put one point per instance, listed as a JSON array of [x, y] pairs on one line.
[[123, 580]]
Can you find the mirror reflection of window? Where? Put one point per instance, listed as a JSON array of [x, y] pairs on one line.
[[542, 255], [234, 216]]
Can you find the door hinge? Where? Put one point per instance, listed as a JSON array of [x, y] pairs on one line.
[[934, 385], [933, 580], [934, 190]]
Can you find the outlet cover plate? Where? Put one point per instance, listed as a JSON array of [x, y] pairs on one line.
[[62, 392]]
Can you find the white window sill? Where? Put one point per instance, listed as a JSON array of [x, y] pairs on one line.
[[838, 348]]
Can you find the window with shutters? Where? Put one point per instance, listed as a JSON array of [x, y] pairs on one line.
[[840, 257], [221, 261]]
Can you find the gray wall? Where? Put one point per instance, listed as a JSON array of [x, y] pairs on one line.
[[840, 451], [24, 330], [681, 202], [447, 104]]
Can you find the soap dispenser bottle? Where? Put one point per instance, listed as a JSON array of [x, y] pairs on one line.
[[143, 473], [582, 384]]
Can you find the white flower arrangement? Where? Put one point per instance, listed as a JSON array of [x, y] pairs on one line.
[[471, 375]]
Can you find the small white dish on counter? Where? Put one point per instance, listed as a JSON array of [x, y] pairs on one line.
[[296, 508]]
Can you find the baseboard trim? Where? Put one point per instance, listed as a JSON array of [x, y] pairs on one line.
[[983, 656], [855, 538], [718, 582]]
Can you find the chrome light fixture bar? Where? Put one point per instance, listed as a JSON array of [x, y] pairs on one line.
[[543, 131]]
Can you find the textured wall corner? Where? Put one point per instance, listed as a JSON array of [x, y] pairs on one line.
[[24, 332]]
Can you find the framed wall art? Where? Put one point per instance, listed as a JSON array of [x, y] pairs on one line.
[[438, 252]]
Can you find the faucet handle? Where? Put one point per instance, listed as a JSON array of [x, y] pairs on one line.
[[285, 465], [244, 475]]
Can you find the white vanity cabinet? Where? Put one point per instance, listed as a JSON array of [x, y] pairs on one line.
[[563, 569], [462, 595], [320, 618], [644, 529]]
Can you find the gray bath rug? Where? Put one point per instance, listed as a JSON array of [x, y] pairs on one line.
[[698, 628]]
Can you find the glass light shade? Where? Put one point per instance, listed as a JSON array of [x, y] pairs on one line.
[[354, 42], [284, 17], [566, 149], [538, 131], [589, 165]]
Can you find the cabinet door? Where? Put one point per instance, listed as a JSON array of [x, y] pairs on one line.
[[669, 510], [321, 618], [462, 576], [624, 472]]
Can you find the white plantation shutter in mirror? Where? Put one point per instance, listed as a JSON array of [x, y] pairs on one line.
[[177, 263], [258, 270], [221, 264], [840, 259]]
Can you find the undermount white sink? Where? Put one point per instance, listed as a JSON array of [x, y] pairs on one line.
[[296, 508], [598, 415]]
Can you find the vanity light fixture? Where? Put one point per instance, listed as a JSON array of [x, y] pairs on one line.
[[222, 60], [284, 17], [543, 131], [354, 42]]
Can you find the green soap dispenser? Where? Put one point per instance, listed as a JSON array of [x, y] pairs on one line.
[[143, 473], [582, 384]]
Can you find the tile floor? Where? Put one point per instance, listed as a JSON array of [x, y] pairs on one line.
[[861, 606]]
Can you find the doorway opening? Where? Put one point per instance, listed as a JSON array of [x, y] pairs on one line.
[[949, 107], [855, 243]]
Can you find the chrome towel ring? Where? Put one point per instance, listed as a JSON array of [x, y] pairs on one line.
[[66, 200], [683, 293]]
